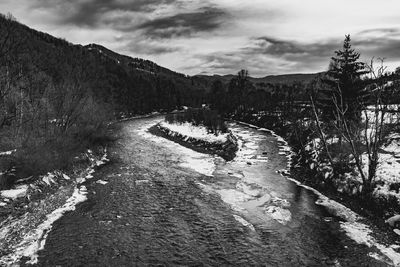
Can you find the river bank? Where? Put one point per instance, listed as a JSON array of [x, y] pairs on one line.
[[29, 217]]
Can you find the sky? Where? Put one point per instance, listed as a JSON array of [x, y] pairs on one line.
[[223, 36]]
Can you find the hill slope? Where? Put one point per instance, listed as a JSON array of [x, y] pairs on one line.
[[127, 84]]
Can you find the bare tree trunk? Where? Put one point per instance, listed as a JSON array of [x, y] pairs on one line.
[[320, 131]]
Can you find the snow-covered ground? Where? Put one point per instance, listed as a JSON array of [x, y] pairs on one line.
[[197, 132], [388, 172]]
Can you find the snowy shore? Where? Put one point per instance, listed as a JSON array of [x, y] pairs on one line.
[[43, 202], [198, 138]]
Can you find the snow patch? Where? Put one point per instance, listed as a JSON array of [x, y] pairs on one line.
[[252, 190], [280, 202], [392, 220], [234, 198], [18, 192], [7, 153], [244, 222], [197, 132], [361, 233], [283, 216]]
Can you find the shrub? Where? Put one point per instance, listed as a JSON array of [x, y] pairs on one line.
[[44, 145], [7, 176], [200, 116]]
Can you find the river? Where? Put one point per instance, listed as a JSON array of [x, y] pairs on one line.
[[160, 204]]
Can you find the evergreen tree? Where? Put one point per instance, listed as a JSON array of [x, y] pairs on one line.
[[344, 77]]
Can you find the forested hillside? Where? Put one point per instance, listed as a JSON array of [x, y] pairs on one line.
[[56, 97], [127, 84]]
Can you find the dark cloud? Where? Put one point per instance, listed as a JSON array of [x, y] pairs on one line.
[[383, 47], [117, 15], [144, 47], [270, 45], [381, 31], [287, 48], [185, 24], [90, 13]]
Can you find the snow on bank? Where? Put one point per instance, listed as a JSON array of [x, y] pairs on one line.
[[388, 171], [7, 153], [244, 222], [34, 240], [354, 226], [279, 214], [19, 191], [199, 162], [361, 233], [197, 132]]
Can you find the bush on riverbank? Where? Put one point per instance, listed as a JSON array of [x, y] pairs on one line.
[[39, 150], [200, 117]]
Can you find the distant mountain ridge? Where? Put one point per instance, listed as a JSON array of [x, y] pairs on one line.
[[273, 79]]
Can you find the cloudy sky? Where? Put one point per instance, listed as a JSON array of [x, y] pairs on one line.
[[223, 36]]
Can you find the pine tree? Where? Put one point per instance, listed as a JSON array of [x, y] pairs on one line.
[[344, 77]]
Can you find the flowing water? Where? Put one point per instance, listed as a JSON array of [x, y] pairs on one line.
[[161, 204]]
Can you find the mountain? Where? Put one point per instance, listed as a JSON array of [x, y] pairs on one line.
[[286, 78]]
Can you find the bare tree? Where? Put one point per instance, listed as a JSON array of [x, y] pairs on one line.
[[364, 138]]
